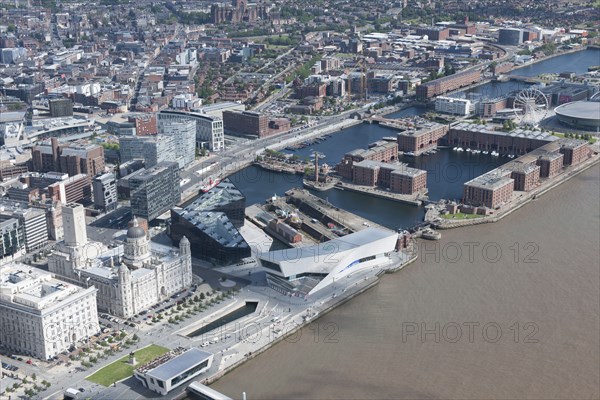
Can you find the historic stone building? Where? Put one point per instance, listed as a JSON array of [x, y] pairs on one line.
[[130, 277]]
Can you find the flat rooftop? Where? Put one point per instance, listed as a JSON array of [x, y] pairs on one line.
[[399, 168], [174, 363], [492, 180], [33, 288], [519, 132]]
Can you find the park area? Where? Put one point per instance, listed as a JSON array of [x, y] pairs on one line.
[[459, 216], [121, 368]]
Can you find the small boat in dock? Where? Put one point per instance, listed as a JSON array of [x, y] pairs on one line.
[[460, 149], [430, 234], [455, 148], [485, 152]]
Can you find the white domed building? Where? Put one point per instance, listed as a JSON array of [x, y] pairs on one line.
[[130, 277]]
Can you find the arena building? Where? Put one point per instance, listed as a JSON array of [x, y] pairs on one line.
[[580, 114]]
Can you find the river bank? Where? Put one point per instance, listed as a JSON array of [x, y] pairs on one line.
[[526, 312], [294, 326], [441, 223], [548, 57]]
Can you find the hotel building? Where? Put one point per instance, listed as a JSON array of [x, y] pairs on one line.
[[423, 137], [380, 151], [490, 190]]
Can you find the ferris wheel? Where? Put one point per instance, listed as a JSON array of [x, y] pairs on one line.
[[530, 107]]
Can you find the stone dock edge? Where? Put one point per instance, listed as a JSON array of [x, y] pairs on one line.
[[340, 300]]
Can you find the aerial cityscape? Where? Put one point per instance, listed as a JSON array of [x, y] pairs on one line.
[[327, 199]]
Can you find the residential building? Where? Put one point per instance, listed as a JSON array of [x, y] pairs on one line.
[[381, 151], [454, 106], [397, 178], [425, 135], [482, 137], [491, 190], [446, 84]]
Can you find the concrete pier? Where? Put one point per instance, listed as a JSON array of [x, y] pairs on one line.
[[412, 199]]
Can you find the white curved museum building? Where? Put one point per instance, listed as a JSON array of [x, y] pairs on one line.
[[306, 270]]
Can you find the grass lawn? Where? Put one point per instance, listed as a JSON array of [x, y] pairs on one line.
[[591, 140], [121, 369], [461, 216]]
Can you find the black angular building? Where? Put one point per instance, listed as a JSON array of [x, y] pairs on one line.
[[211, 224]]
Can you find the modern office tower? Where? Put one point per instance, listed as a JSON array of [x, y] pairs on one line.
[[184, 137], [155, 190], [105, 192], [209, 129]]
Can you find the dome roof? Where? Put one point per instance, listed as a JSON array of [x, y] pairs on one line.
[[135, 232]]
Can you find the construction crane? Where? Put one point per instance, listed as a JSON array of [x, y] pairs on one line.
[[361, 66]]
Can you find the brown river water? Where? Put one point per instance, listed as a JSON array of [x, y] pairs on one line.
[[515, 318]]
